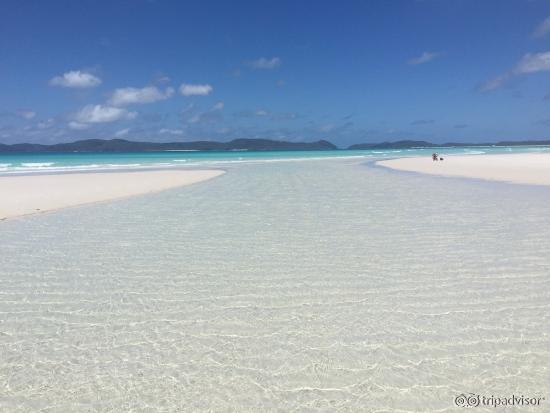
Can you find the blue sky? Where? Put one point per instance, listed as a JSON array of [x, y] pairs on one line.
[[349, 72]]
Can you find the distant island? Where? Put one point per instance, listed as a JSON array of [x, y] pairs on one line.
[[122, 145], [423, 144]]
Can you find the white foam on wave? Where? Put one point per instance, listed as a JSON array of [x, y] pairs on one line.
[[123, 165], [475, 152], [51, 167], [37, 164], [73, 168]]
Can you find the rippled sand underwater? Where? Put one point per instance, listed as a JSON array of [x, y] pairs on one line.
[[301, 286]]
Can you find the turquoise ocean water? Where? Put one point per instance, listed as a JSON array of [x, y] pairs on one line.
[[23, 163]]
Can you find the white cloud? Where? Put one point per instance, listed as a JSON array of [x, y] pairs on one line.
[[102, 114], [76, 79], [122, 132], [543, 28], [187, 89], [26, 114], [166, 131], [130, 95], [529, 63], [264, 63], [423, 58], [78, 125], [533, 62], [261, 112], [218, 106]]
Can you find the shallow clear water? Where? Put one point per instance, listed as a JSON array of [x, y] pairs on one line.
[[291, 286], [26, 163]]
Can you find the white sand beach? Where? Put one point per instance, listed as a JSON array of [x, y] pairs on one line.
[[531, 169], [29, 194]]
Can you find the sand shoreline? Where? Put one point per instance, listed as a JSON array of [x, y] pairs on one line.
[[531, 169], [32, 194]]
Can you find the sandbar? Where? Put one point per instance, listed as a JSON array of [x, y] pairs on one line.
[[533, 169], [30, 194]]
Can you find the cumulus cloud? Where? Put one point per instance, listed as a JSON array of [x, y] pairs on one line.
[[529, 63], [542, 29], [102, 114], [76, 79], [265, 63], [187, 89], [131, 95], [425, 57]]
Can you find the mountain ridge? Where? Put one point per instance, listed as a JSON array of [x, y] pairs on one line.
[[123, 145]]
